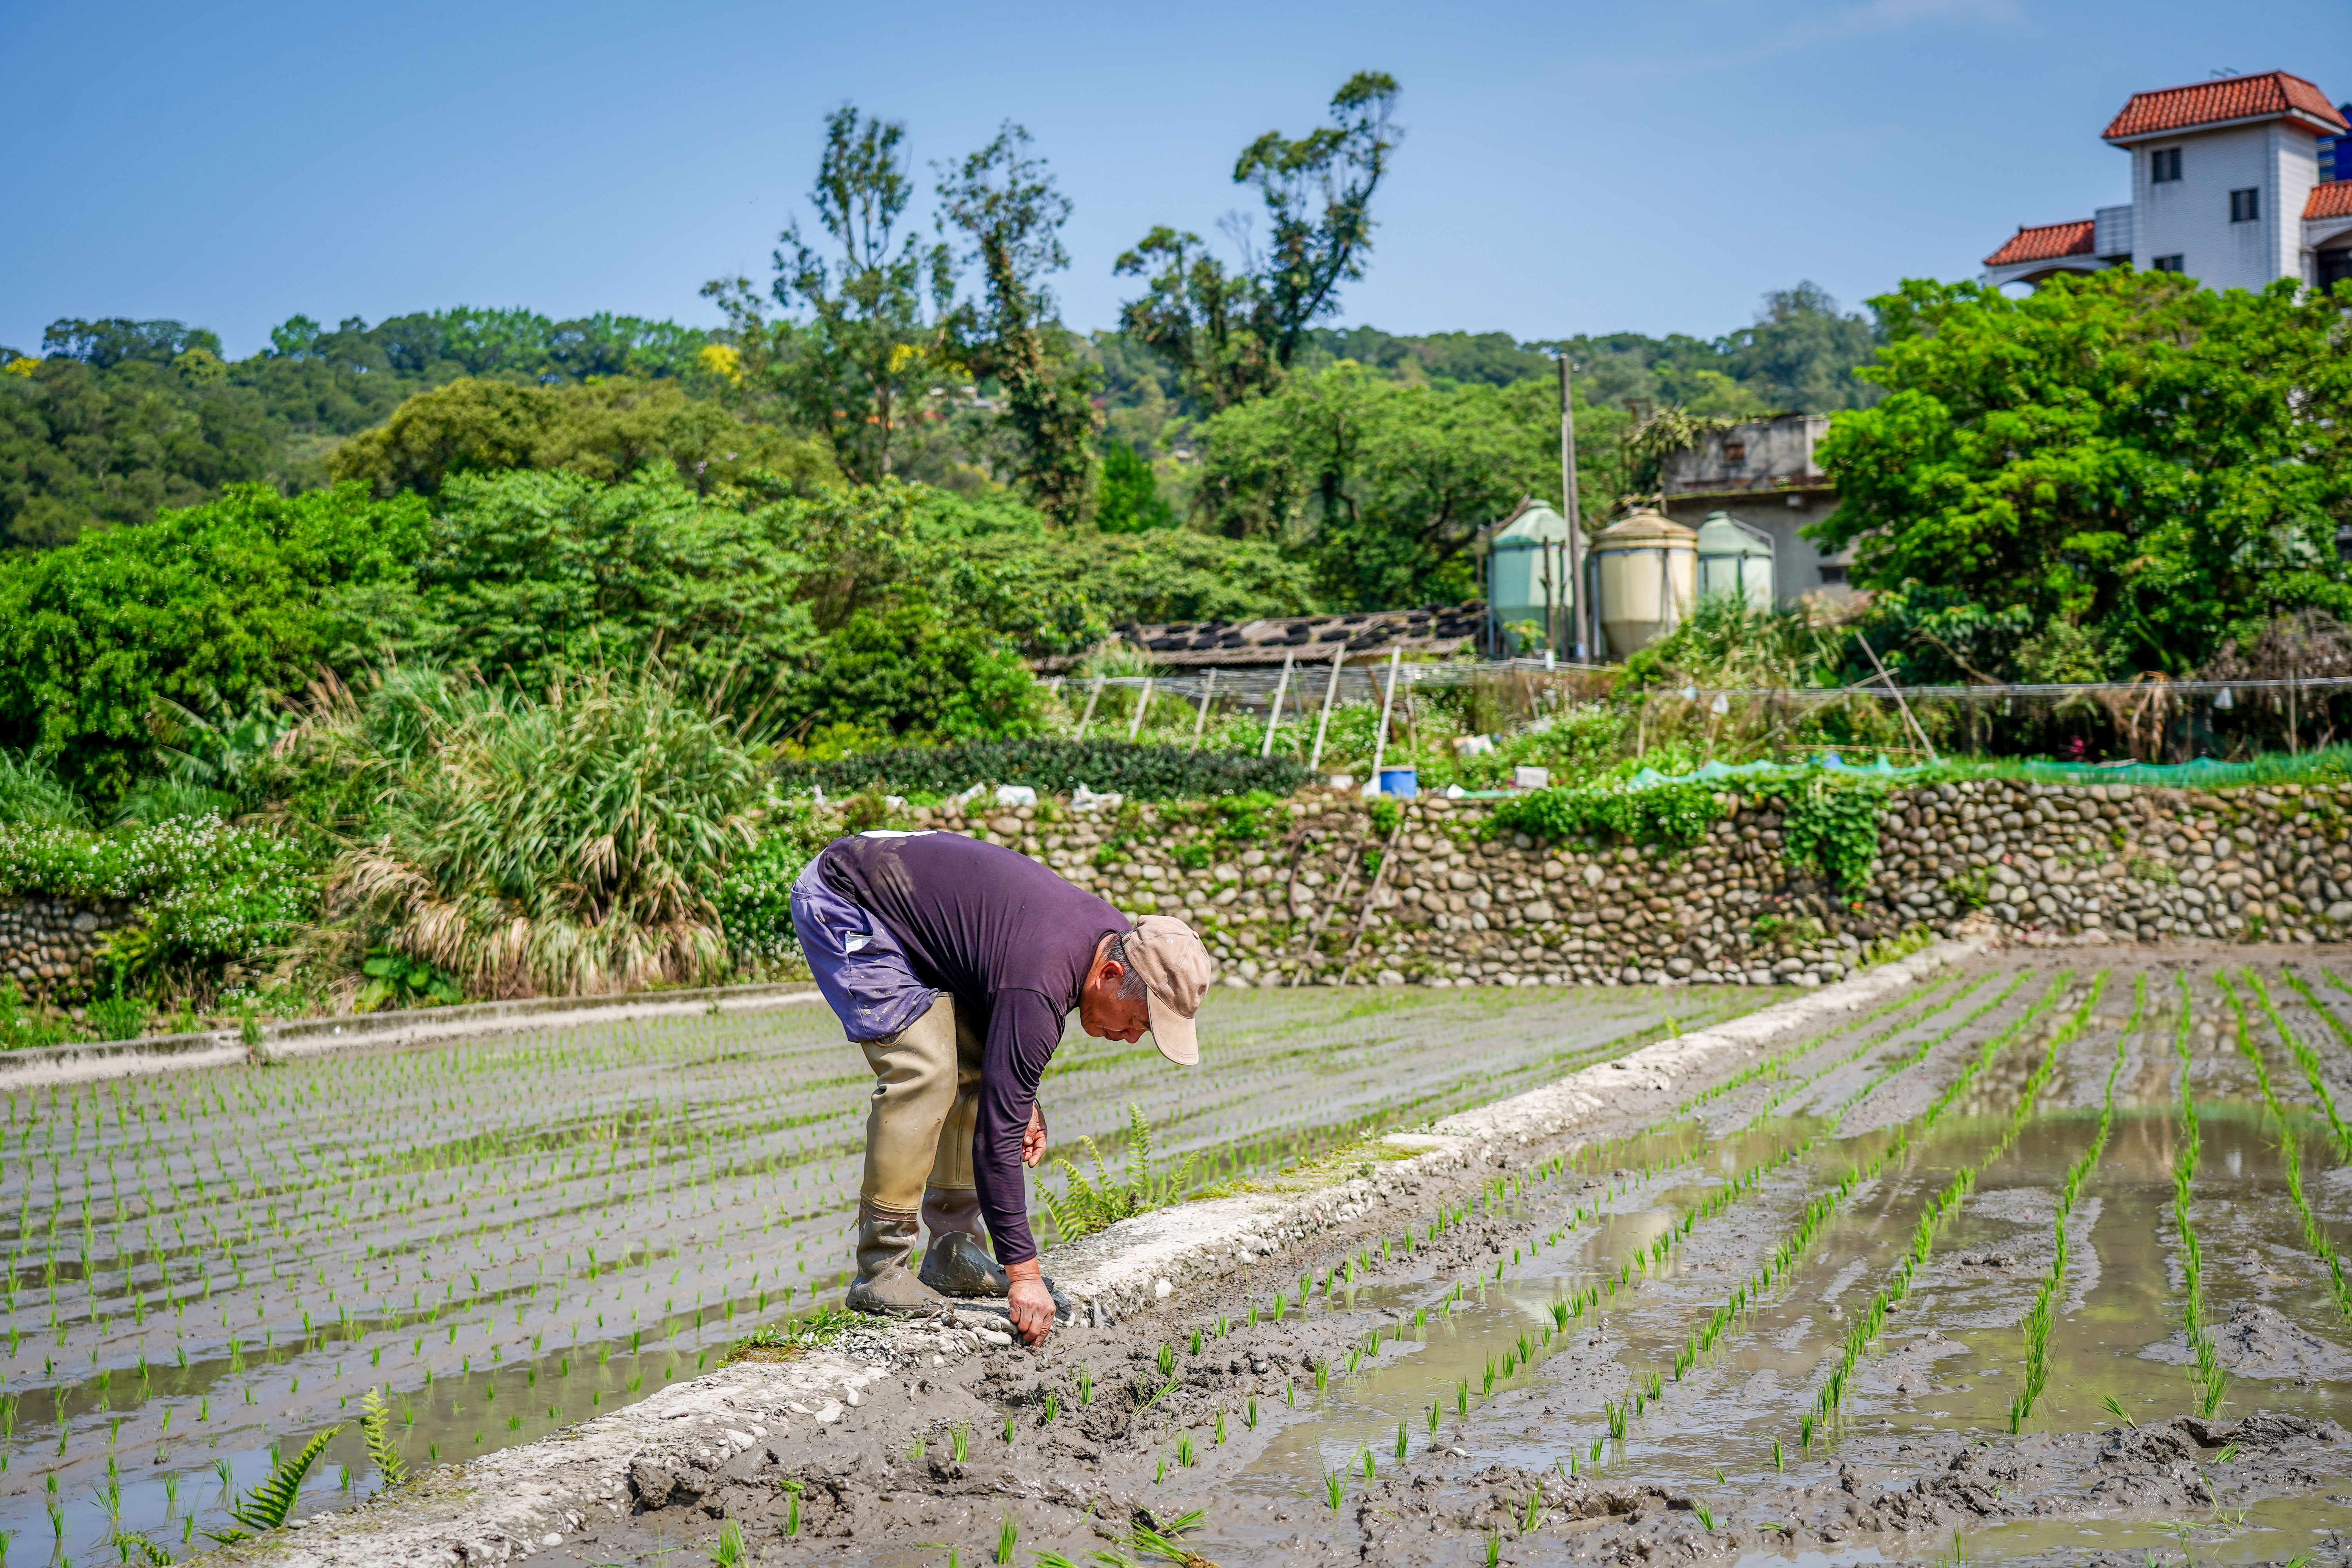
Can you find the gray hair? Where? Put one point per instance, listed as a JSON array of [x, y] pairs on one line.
[[1132, 987]]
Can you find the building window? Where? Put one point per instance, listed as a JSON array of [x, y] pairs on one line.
[[2168, 264], [2246, 206], [2164, 165], [1832, 572], [1735, 453]]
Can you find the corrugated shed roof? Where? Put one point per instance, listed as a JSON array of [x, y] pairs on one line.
[[2044, 242], [2270, 95], [2331, 200]]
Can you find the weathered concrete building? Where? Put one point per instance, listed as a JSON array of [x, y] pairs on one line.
[[2237, 182], [1762, 473]]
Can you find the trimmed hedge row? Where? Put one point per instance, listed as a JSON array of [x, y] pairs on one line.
[[1050, 766]]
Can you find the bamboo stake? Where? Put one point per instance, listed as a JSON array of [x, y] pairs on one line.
[[1201, 719], [1924, 744], [1274, 714], [1388, 705], [1330, 688], [1093, 697], [1134, 726]]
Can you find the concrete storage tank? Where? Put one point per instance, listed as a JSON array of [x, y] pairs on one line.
[[1735, 558], [1649, 580], [1527, 576]]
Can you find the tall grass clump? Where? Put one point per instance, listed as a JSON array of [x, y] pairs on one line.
[[32, 796], [560, 842]]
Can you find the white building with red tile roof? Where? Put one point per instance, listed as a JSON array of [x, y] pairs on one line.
[[2237, 182]]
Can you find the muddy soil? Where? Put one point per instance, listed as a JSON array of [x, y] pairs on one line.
[[514, 1236], [1430, 1403]]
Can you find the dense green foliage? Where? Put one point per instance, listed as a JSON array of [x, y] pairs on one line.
[[209, 609], [2158, 468], [208, 893], [116, 418], [606, 430], [1055, 766], [1832, 826], [1677, 814], [1382, 486]]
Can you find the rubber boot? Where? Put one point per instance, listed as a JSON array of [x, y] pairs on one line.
[[884, 1285], [957, 1262]]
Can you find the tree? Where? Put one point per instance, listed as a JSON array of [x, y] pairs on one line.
[[1384, 487], [84, 447], [1199, 317], [211, 607], [1317, 192], [2160, 465], [1232, 334], [606, 430], [1006, 205], [854, 371], [912, 673], [1801, 354], [1129, 500]]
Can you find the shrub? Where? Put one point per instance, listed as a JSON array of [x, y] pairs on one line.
[[1675, 814], [209, 893], [215, 605], [755, 899], [1054, 766], [1833, 825]]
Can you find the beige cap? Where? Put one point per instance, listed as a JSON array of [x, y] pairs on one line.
[[1176, 969]]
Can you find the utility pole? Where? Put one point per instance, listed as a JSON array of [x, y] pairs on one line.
[[1568, 509]]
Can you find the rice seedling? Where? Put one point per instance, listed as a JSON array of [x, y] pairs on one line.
[[727, 1551], [2036, 1325], [1008, 1536], [2304, 1056], [2211, 1378], [1334, 1487]]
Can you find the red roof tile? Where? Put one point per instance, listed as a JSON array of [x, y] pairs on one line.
[[2269, 96], [2331, 200], [2044, 242]]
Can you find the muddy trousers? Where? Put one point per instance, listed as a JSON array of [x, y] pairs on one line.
[[919, 1124]]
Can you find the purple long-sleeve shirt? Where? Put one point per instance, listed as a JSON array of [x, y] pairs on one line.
[[1007, 939]]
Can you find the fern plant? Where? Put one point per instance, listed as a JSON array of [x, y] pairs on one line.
[[1087, 1206], [382, 1452], [268, 1506]]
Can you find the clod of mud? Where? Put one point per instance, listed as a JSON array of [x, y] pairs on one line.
[[2264, 1342]]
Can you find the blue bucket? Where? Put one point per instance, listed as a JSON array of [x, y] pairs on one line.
[[1402, 783]]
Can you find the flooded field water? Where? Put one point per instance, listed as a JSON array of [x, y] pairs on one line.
[[510, 1235], [1855, 1253]]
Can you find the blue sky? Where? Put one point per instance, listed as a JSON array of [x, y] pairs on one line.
[[1567, 168]]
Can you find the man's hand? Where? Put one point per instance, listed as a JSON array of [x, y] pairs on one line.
[[1032, 1304], [1033, 1141]]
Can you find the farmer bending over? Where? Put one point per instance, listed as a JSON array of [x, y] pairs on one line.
[[953, 963]]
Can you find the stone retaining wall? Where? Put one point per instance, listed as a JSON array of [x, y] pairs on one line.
[[49, 946], [1441, 902]]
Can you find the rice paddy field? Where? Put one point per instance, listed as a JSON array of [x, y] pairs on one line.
[[1908, 1286], [510, 1235]]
